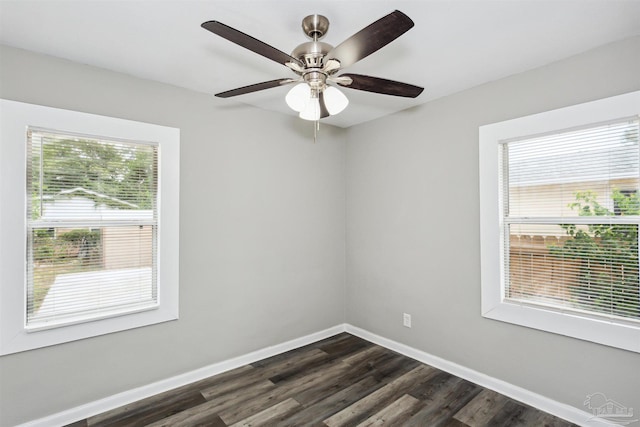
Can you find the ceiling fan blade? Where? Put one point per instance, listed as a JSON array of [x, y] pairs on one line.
[[379, 85], [254, 88], [371, 38], [323, 108], [248, 42]]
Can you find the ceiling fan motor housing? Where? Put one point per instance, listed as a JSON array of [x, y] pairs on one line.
[[312, 53]]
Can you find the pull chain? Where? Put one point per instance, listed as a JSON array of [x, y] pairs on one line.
[[316, 129]]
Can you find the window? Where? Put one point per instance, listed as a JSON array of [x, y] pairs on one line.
[[560, 218], [88, 225], [92, 228]]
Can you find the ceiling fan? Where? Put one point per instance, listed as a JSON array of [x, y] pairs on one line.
[[317, 63]]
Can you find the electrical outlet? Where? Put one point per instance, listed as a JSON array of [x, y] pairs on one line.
[[406, 320]]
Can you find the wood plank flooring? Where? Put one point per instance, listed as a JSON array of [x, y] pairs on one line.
[[337, 382]]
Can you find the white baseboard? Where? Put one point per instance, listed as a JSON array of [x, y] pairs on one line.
[[558, 409], [130, 396], [520, 394]]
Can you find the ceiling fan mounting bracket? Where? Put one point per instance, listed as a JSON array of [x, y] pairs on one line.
[[315, 26]]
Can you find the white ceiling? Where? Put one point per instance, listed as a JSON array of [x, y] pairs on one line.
[[455, 44]]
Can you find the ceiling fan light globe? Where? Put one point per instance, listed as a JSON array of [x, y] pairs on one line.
[[298, 97], [311, 110], [334, 100]]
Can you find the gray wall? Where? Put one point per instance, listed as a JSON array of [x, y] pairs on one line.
[[262, 248], [263, 228], [413, 231]]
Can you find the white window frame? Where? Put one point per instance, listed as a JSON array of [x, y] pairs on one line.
[[15, 118], [493, 304]]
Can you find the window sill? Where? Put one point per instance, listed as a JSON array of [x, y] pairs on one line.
[[626, 337]]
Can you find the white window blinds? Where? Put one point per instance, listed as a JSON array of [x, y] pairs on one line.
[[570, 216], [92, 227]]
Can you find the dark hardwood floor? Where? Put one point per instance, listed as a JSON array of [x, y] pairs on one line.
[[340, 381]]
